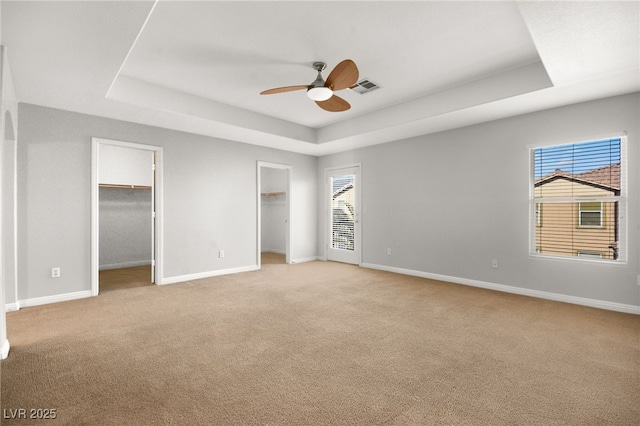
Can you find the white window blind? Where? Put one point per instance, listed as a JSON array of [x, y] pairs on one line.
[[342, 212], [579, 192]]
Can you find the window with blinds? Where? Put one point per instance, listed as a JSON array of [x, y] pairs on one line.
[[578, 197]]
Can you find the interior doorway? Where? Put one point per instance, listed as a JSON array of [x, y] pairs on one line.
[[273, 214], [126, 214]]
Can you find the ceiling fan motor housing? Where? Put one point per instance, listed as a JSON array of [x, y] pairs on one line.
[[319, 81], [319, 66]]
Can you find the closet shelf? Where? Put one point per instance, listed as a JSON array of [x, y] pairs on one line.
[[109, 185], [272, 194]]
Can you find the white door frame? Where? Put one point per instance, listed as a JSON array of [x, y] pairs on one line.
[[9, 256], [287, 238], [95, 209], [357, 223]]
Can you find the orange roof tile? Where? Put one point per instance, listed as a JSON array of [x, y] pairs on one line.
[[607, 176]]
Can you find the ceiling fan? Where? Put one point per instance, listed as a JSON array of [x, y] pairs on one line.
[[344, 75]]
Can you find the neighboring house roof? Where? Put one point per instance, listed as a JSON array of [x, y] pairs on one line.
[[342, 190], [607, 177]]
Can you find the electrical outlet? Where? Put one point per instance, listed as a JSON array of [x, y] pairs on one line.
[[494, 263], [221, 254], [55, 272], [388, 252]]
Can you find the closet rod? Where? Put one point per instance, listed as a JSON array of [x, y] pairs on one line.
[[109, 185]]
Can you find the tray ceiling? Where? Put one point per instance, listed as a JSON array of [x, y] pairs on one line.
[[200, 66]]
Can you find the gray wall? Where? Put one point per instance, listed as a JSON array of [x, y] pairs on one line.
[[210, 188], [449, 203], [125, 228], [446, 203]]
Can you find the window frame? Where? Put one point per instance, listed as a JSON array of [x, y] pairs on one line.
[[600, 216], [536, 204]]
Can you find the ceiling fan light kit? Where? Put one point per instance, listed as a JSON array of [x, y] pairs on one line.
[[319, 93], [343, 76]]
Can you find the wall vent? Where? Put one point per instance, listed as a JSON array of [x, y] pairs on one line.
[[364, 86]]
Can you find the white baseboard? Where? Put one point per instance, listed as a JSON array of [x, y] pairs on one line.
[[124, 265], [305, 259], [208, 274], [594, 303], [4, 352], [276, 251], [10, 307], [53, 299], [299, 260]]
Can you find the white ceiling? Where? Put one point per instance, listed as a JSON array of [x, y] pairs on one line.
[[200, 66]]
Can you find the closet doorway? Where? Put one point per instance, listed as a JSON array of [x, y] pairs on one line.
[[126, 189], [274, 212]]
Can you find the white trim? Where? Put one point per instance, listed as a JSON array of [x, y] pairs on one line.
[[209, 274], [36, 301], [12, 307], [5, 349], [594, 303], [14, 240], [95, 226], [558, 258], [125, 265], [306, 259], [275, 251]]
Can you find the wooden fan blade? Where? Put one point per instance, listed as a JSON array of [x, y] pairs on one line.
[[344, 75], [334, 104], [283, 89]]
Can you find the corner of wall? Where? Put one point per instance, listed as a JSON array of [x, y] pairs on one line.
[[4, 352]]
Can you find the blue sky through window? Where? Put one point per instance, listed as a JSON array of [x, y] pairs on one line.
[[340, 181], [576, 158]]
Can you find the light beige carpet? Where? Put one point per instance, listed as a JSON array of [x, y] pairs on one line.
[[269, 258], [123, 278], [322, 343]]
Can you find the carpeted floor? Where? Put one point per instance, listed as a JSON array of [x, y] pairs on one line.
[[269, 258], [123, 278], [321, 343]]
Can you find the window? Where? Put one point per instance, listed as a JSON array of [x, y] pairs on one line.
[[581, 189], [589, 254], [590, 214]]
